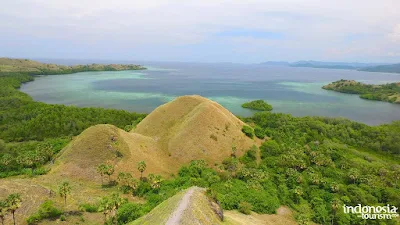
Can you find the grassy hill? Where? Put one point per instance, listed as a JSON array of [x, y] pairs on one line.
[[384, 92], [8, 65]]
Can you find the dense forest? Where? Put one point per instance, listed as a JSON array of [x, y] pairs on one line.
[[385, 92]]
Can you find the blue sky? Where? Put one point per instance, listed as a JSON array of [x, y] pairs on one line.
[[249, 31]]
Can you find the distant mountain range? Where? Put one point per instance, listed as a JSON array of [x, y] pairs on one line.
[[392, 68], [371, 67]]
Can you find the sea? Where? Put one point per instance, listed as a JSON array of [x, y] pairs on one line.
[[293, 90]]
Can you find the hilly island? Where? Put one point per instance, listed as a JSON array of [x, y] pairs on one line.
[[384, 92], [189, 161]]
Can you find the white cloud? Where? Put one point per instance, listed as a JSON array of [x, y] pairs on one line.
[[395, 34], [313, 24]]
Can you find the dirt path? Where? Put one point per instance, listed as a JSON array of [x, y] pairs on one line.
[[183, 204]]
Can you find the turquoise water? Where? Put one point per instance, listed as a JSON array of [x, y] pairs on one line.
[[289, 89]]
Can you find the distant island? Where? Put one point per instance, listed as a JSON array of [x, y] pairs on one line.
[[393, 68], [9, 65], [384, 92], [368, 67], [259, 105]]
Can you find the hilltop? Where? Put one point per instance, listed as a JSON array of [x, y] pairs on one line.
[[8, 65], [384, 92], [188, 128]]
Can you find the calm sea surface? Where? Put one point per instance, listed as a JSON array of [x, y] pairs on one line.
[[289, 89]]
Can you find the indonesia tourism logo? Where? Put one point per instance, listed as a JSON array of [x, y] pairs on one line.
[[372, 212]]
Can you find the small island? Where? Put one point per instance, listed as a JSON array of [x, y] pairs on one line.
[[384, 92], [260, 105]]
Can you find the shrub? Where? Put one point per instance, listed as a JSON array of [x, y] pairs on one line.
[[248, 131], [129, 212], [87, 207], [270, 148], [259, 132], [47, 210], [245, 208]]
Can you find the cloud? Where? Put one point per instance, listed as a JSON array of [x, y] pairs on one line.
[[395, 34], [295, 27]]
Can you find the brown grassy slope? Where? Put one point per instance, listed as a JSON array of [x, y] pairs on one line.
[[188, 128], [92, 147], [35, 67], [193, 127], [25, 65], [197, 210]]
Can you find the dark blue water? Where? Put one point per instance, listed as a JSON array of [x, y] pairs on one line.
[[289, 89]]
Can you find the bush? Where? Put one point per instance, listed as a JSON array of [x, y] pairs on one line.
[[259, 132], [47, 210], [248, 131], [245, 208], [87, 207], [129, 212], [270, 148]]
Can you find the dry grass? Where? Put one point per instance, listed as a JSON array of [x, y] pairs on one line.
[[171, 136], [183, 128], [283, 217]]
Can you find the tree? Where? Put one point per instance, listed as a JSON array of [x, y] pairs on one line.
[[64, 190], [110, 205], [141, 167], [335, 206], [105, 207], [101, 169], [46, 151], [155, 181], [127, 180], [3, 211], [353, 175], [109, 170], [13, 203]]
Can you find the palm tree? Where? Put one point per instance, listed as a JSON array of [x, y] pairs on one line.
[[335, 206], [101, 169], [155, 181], [3, 211], [105, 207], [64, 190], [109, 170], [13, 203], [353, 175], [141, 168]]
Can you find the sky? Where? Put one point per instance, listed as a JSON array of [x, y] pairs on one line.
[[243, 31]]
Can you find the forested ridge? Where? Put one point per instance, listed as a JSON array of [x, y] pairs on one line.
[[384, 92]]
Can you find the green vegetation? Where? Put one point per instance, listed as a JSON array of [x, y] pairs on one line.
[[8, 65], [64, 190], [385, 92], [248, 131], [245, 208], [312, 164], [260, 105], [10, 205], [47, 210], [32, 132]]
